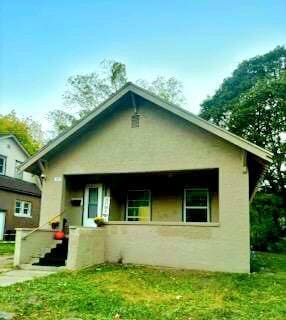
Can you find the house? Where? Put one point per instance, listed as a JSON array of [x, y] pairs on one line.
[[19, 193], [174, 188]]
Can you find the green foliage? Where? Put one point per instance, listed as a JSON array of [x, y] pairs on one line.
[[27, 131], [244, 77], [170, 89], [260, 117], [61, 121], [6, 248], [86, 92], [131, 292], [267, 219], [252, 104]]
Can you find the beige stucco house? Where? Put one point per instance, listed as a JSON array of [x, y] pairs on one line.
[[174, 188]]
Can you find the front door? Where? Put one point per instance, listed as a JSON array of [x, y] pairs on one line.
[[92, 204], [2, 224]]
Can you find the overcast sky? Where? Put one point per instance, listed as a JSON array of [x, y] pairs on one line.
[[198, 42]]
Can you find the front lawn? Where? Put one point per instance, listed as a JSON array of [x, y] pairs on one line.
[[6, 248], [133, 292]]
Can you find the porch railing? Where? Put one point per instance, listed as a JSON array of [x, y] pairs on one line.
[[43, 225]]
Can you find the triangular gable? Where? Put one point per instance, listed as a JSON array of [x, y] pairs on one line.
[[180, 112], [11, 136]]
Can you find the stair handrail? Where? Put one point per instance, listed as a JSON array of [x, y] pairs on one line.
[[42, 225]]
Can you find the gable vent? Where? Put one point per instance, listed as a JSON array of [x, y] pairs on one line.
[[135, 120]]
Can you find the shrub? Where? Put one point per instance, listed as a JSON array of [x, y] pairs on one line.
[[267, 216]]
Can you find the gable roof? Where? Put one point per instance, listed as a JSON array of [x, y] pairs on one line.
[[180, 112], [11, 136]]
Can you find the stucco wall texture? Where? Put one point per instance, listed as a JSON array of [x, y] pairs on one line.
[[163, 142]]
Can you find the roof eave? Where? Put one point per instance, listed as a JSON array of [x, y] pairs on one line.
[[216, 130]]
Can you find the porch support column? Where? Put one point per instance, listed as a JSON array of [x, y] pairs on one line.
[[53, 198]]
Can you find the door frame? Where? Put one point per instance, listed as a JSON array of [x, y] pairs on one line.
[[88, 222]]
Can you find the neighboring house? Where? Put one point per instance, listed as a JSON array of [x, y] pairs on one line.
[[175, 188], [19, 194]]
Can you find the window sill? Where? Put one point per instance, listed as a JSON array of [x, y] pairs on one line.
[[21, 216], [158, 223]]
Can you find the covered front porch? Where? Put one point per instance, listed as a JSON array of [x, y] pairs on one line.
[[178, 197], [172, 218]]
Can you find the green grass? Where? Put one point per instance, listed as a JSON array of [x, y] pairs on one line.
[[133, 292], [6, 248]]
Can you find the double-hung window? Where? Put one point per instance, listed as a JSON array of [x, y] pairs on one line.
[[23, 208], [138, 205], [196, 205], [2, 165]]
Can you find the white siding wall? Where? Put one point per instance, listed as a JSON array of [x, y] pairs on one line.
[[10, 149]]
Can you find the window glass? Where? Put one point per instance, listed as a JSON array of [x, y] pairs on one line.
[[26, 208], [196, 205], [196, 215], [197, 198], [23, 208], [92, 202], [18, 207], [138, 205], [2, 165]]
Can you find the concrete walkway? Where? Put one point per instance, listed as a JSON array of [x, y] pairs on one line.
[[26, 273]]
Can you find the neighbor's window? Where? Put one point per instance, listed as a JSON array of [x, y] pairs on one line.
[[138, 205], [23, 208], [196, 205], [2, 165], [18, 173]]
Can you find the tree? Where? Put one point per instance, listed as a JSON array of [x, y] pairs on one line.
[[26, 130], [61, 121], [251, 103], [267, 219], [86, 92], [170, 89], [260, 116], [218, 107]]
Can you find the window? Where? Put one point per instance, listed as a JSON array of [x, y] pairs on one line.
[[2, 165], [138, 205], [196, 205], [92, 202], [18, 173], [23, 208]]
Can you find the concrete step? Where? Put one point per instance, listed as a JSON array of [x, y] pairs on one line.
[[41, 268]]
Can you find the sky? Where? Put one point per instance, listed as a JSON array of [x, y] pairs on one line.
[[199, 42]]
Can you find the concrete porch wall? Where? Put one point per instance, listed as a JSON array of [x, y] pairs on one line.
[[179, 245], [86, 247]]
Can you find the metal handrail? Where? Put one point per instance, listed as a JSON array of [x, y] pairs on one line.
[[42, 225]]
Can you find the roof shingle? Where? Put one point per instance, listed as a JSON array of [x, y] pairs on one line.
[[19, 186]]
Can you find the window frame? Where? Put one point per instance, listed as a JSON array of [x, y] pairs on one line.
[[127, 207], [22, 205], [197, 207], [4, 165]]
